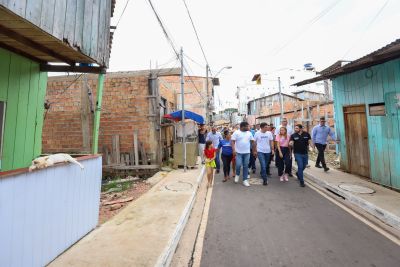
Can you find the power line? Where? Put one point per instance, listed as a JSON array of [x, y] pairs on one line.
[[123, 11], [307, 26], [170, 41], [195, 31], [367, 28], [194, 61], [190, 79]]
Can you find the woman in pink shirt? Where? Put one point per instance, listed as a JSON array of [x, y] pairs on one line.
[[284, 156]]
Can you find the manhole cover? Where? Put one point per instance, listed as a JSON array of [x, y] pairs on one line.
[[255, 181], [179, 186], [357, 188]]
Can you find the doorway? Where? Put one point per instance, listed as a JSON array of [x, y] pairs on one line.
[[356, 130]]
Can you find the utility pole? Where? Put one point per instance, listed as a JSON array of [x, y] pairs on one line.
[[183, 112], [280, 96], [208, 97]]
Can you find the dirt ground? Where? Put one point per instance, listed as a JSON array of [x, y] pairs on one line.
[[330, 158], [130, 191]]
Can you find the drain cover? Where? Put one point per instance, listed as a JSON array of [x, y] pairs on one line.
[[255, 181], [357, 188], [179, 186]]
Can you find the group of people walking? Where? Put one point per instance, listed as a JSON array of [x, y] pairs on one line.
[[241, 147]]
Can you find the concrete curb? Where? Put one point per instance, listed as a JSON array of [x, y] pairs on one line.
[[165, 258], [381, 214]]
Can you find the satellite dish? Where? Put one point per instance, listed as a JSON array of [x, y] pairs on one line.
[[309, 66]]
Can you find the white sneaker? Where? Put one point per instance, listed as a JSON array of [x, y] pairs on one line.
[[246, 183], [237, 177]]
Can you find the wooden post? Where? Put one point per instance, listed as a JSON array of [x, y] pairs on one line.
[[85, 116], [96, 124], [143, 154], [116, 157], [136, 146]]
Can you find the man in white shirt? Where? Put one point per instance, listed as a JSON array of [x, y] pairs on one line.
[[215, 137], [242, 142], [284, 123], [264, 143]]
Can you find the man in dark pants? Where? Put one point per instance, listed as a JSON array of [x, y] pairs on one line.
[[252, 161], [319, 137], [300, 141]]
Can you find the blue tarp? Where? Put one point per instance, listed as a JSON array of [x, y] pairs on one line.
[[177, 116]]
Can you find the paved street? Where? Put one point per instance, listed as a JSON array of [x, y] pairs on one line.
[[285, 225]]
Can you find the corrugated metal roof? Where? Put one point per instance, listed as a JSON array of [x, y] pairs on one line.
[[292, 96], [382, 55]]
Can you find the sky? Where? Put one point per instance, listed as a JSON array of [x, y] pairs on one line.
[[252, 36]]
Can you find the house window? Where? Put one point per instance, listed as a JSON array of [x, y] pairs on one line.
[[2, 119], [377, 109]]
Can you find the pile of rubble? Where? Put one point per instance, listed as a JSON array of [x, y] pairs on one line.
[[119, 193], [331, 158]]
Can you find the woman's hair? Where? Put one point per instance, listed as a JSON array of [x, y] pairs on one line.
[[285, 135], [208, 143], [226, 132]]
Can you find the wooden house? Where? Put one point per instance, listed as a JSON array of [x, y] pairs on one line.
[[367, 112], [46, 211]]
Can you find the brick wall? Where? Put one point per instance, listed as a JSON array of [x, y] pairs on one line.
[[125, 108]]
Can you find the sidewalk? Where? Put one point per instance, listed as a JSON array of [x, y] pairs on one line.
[[383, 203], [146, 232]]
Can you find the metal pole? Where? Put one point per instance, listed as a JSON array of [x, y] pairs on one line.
[[280, 96], [96, 126], [183, 112], [208, 96]]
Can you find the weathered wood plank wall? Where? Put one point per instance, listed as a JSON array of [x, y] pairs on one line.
[[377, 84], [23, 89], [82, 24]]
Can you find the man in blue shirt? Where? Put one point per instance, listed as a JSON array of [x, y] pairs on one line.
[[319, 137]]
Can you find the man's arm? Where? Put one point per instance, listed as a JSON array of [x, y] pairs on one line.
[[314, 134], [254, 147], [332, 134], [233, 143], [272, 143]]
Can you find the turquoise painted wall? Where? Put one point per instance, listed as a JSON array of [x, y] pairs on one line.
[[23, 88], [377, 84]]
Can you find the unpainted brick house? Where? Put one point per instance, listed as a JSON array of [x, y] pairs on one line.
[[133, 100]]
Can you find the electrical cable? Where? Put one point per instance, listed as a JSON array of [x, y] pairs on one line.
[[123, 11], [194, 61], [170, 41], [191, 80], [306, 27], [366, 28], [195, 31]]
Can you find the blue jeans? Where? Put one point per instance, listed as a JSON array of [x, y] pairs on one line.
[[217, 161], [302, 162], [242, 160], [264, 158]]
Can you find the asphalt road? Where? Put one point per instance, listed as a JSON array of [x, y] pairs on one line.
[[283, 224]]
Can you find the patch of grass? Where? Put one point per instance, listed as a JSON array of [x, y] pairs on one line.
[[118, 186]]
